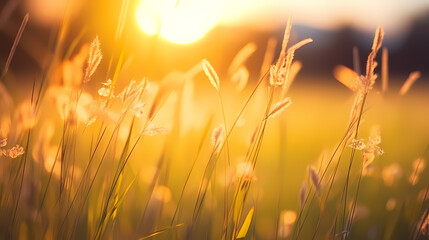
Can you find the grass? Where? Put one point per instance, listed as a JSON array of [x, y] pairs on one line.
[[197, 156]]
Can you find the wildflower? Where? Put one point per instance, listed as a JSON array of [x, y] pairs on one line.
[[106, 90], [16, 151], [358, 144], [369, 148], [3, 142]]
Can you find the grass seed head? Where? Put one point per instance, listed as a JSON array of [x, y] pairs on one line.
[[279, 107], [94, 59], [315, 179], [367, 81], [211, 74], [218, 137], [153, 130], [302, 194]]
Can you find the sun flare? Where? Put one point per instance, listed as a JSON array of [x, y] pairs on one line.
[[178, 21]]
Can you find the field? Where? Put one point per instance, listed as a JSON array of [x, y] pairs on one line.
[[88, 153]]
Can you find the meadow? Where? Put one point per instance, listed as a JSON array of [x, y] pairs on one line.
[[207, 155]]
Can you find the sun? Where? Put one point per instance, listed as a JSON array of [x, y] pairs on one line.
[[178, 21]]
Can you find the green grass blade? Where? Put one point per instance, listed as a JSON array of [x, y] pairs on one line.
[[245, 227]]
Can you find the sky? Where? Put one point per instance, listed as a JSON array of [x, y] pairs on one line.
[[394, 15]]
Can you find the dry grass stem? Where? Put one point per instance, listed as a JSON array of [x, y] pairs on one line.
[[15, 44], [300, 44], [385, 70], [347, 77], [412, 78]]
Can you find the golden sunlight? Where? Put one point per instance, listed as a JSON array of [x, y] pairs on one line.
[[178, 21]]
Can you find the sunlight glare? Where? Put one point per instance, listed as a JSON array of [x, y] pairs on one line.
[[178, 21]]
